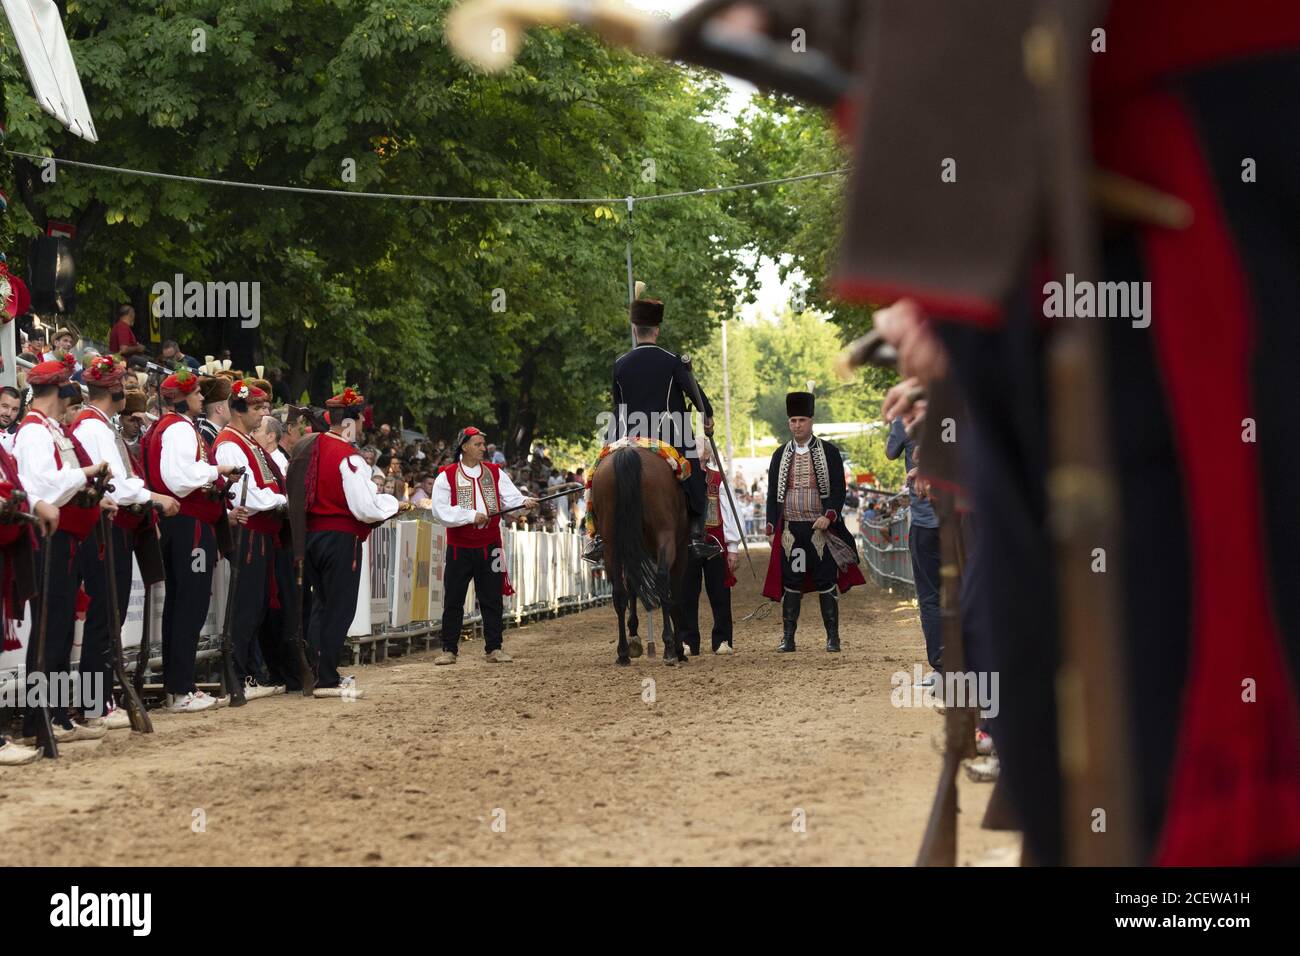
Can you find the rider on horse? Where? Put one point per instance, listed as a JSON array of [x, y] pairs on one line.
[[651, 385]]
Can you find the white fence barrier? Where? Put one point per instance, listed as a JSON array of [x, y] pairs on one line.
[[401, 589]]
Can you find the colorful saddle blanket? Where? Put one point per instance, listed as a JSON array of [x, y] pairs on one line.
[[676, 460]]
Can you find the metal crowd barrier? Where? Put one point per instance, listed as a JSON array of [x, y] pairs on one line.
[[886, 551], [399, 604]]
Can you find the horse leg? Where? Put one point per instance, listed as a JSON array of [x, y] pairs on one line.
[[620, 607], [673, 651], [635, 647], [676, 583]]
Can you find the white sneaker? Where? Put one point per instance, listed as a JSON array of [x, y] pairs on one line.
[[190, 703], [117, 719], [347, 689], [15, 754], [724, 649], [929, 680], [82, 731], [277, 689], [255, 691]]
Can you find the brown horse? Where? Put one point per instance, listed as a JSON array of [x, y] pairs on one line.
[[640, 515]]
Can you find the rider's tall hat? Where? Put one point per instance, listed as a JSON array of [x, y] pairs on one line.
[[647, 312], [799, 405]]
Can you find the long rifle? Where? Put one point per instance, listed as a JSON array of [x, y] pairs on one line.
[[939, 844], [306, 673], [229, 679], [142, 655], [140, 721]]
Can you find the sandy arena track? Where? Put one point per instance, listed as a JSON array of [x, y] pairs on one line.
[[559, 744]]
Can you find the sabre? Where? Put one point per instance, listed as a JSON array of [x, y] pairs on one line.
[[572, 490]]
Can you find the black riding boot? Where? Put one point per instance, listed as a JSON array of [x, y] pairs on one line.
[[595, 550], [831, 618], [790, 603], [702, 547]]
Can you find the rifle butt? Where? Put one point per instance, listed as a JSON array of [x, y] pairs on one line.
[[939, 845]]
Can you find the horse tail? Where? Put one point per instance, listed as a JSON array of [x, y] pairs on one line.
[[639, 570]]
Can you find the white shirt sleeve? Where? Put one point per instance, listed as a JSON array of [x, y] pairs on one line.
[[510, 495], [453, 516], [282, 460], [180, 471], [42, 478], [730, 528], [7, 439], [97, 438], [365, 503], [259, 499]]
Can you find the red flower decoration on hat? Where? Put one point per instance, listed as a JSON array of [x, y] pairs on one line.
[[101, 368], [240, 390], [350, 396]]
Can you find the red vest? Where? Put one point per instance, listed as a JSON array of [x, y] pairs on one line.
[[73, 518], [197, 504], [122, 518], [9, 483], [713, 526], [327, 505], [262, 472], [468, 536]]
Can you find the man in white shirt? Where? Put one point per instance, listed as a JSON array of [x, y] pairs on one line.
[[177, 464], [474, 548], [10, 403], [717, 572], [342, 507], [259, 495], [54, 469], [94, 430]]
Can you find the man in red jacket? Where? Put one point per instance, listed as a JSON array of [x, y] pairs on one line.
[[262, 520], [54, 468], [177, 464], [342, 507], [474, 550]]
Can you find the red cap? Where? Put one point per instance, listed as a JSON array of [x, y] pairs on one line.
[[245, 392], [347, 398], [179, 384], [104, 372], [57, 371]]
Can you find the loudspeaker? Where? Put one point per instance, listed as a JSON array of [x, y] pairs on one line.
[[50, 275]]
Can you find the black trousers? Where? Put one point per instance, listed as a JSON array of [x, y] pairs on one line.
[[96, 642], [697, 491], [924, 544], [279, 628], [333, 574], [714, 575], [61, 604], [486, 568], [803, 559], [189, 548], [251, 605]]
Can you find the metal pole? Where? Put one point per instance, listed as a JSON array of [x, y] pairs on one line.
[[631, 286]]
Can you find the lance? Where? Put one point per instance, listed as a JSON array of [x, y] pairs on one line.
[[572, 489], [697, 397]]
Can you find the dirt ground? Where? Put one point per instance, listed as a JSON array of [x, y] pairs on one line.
[[554, 759]]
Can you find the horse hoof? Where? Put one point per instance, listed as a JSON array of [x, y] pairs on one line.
[[623, 662], [670, 662], [634, 647]]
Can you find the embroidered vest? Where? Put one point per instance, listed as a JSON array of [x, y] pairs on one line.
[[260, 470], [478, 494]]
